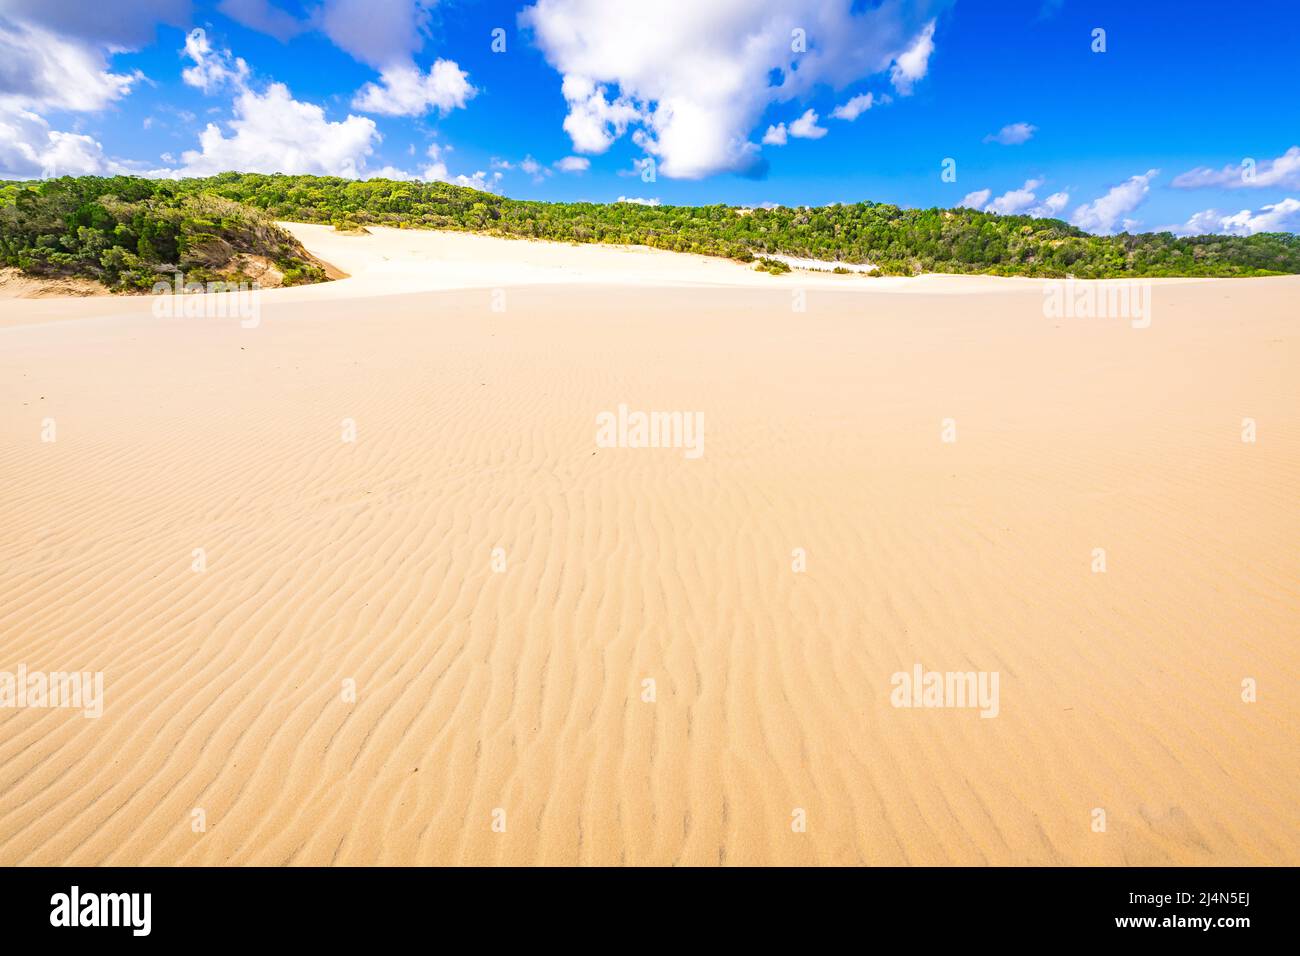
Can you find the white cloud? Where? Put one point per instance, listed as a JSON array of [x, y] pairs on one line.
[[532, 168], [42, 70], [386, 34], [1052, 205], [1017, 202], [594, 122], [913, 64], [274, 133], [694, 78], [637, 201], [528, 166], [1202, 223], [1283, 216], [1102, 214], [212, 69], [403, 90], [1284, 171], [1012, 134], [390, 172], [573, 164], [856, 106], [805, 127], [30, 149], [480, 181], [436, 171]]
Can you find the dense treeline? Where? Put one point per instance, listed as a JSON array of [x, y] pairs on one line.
[[131, 233], [900, 241]]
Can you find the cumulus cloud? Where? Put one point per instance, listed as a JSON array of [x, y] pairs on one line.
[[436, 171], [1012, 134], [805, 127], [594, 122], [573, 164], [30, 149], [1015, 201], [638, 201], [390, 172], [1018, 202], [914, 63], [536, 171], [529, 166], [1284, 171], [1052, 205], [54, 55], [1105, 212], [694, 78], [42, 70], [271, 132], [386, 35], [1283, 216], [403, 90], [480, 181], [212, 69], [856, 106]]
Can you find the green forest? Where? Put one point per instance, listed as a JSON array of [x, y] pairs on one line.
[[129, 232]]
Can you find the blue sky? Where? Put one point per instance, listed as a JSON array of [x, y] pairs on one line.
[[1150, 133]]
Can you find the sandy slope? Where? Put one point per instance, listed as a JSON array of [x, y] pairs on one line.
[[521, 690]]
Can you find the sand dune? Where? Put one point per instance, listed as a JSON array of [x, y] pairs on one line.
[[515, 696]]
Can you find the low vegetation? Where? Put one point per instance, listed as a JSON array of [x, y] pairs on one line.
[[132, 233]]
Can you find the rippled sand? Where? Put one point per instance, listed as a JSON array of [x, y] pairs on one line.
[[515, 697]]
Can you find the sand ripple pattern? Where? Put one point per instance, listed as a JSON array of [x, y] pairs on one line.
[[521, 690]]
